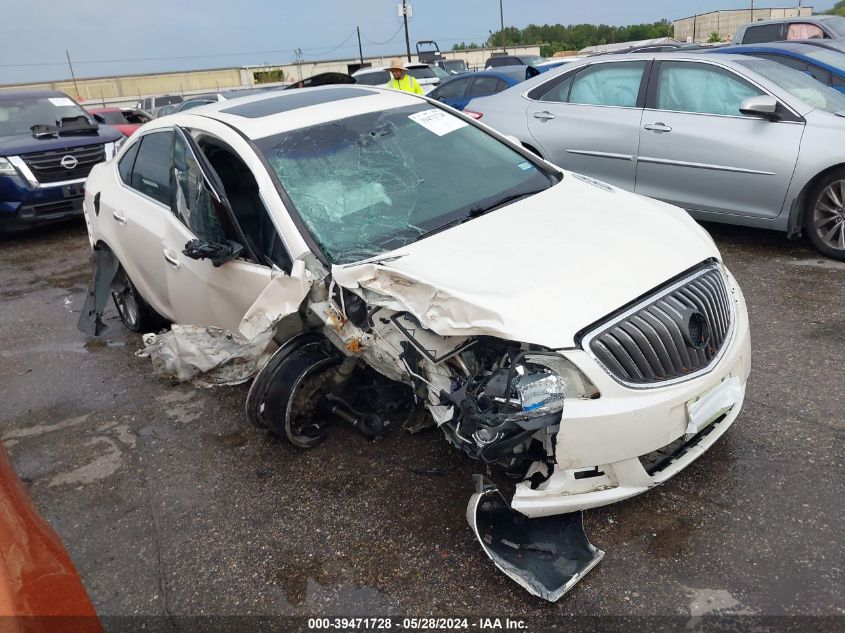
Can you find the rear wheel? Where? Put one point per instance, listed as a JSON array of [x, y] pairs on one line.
[[134, 312], [824, 217]]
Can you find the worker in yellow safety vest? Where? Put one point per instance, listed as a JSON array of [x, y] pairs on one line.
[[401, 79]]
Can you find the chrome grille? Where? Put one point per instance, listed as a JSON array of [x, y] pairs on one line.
[[47, 167], [674, 334]]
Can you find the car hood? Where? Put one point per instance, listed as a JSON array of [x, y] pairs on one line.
[[26, 143], [538, 270]]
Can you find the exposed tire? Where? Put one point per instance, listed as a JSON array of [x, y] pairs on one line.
[[135, 313], [283, 394], [824, 215]]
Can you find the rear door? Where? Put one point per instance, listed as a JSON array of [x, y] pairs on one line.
[[201, 293], [699, 152], [133, 216], [589, 120]]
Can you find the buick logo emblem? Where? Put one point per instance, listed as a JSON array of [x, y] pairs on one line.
[[695, 329], [69, 162]]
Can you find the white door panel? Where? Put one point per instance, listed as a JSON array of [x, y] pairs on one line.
[[135, 228], [202, 294]]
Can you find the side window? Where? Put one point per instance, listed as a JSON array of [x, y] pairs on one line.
[[194, 199], [820, 74], [242, 192], [764, 33], [611, 84], [816, 72], [792, 62], [701, 88], [127, 161], [558, 92], [151, 174], [454, 89], [483, 86]]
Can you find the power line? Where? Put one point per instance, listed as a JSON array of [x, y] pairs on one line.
[[392, 37], [312, 51], [316, 50]]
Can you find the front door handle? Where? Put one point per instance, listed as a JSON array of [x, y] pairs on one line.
[[120, 219], [171, 258], [660, 128], [544, 115]]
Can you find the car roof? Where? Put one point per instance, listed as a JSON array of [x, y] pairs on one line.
[[803, 18], [794, 46], [112, 109], [30, 94], [258, 116]]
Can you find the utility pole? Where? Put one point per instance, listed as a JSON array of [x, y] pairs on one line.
[[72, 76], [752, 10], [502, 24], [298, 53], [360, 51], [405, 19]]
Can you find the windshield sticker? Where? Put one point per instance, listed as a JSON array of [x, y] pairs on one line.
[[60, 101], [525, 165], [437, 121]]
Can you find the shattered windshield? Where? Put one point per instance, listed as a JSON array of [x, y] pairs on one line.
[[375, 182]]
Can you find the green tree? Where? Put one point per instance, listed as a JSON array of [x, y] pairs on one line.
[[714, 38], [556, 37], [838, 9]]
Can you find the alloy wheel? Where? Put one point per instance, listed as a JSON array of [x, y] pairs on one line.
[[127, 304], [829, 215]]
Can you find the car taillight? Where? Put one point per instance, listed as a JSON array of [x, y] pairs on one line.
[[473, 114]]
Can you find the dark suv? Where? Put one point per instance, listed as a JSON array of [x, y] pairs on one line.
[[48, 144]]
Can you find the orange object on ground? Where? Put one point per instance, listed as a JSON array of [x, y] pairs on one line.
[[38, 583]]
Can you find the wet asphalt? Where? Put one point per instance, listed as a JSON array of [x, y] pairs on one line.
[[170, 503]]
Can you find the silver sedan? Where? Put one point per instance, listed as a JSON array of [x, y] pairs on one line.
[[729, 138]]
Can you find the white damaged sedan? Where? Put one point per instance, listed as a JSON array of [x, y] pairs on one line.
[[371, 257]]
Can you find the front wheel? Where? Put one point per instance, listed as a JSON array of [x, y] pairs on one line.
[[824, 217]]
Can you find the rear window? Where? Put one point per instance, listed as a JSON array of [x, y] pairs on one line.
[[422, 72], [764, 33], [373, 79], [167, 100]]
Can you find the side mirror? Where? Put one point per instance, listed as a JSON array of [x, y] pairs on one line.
[[762, 105], [219, 254]]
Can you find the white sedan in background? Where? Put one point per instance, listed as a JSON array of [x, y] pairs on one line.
[[428, 76], [410, 262]]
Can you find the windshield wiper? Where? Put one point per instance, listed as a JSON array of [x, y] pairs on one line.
[[477, 211], [474, 212]]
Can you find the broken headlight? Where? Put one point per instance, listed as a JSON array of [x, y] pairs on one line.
[[507, 413], [543, 380]]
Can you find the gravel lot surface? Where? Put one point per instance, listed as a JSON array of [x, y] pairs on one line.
[[170, 503]]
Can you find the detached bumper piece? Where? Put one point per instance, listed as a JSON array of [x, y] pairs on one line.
[[545, 555]]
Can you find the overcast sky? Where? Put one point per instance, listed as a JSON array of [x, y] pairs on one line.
[[107, 37]]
